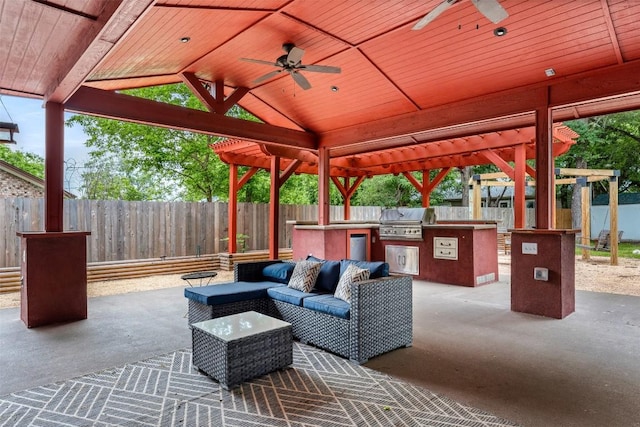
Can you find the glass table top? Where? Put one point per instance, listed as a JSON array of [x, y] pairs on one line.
[[241, 325]]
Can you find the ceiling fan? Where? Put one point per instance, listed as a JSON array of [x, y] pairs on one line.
[[291, 62], [491, 9]]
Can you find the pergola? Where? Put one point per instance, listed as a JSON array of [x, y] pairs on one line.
[[503, 149], [455, 78]]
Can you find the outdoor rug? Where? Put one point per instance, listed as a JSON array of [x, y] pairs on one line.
[[319, 389]]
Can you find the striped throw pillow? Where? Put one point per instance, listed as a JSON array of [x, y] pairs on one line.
[[352, 274], [304, 275]]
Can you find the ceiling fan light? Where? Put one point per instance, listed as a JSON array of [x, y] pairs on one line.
[[500, 31]]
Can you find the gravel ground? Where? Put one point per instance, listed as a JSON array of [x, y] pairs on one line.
[[596, 275]]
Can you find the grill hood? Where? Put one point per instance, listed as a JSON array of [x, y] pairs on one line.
[[404, 216]]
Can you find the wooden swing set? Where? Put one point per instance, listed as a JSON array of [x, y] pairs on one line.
[[608, 239]]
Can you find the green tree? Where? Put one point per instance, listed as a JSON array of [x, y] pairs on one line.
[[605, 142], [151, 162], [28, 162], [136, 162], [105, 180], [608, 142]]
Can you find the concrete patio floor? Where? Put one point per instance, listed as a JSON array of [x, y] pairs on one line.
[[468, 345]]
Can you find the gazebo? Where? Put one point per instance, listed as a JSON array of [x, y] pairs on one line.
[[355, 77]]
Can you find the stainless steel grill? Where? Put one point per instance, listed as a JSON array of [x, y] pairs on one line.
[[404, 223]]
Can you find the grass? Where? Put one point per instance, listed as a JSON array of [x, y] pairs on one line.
[[625, 250]]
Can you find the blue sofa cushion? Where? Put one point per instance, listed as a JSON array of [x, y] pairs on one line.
[[279, 272], [376, 268], [328, 276], [225, 293], [290, 295], [328, 304]]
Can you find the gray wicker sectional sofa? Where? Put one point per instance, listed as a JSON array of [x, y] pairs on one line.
[[377, 319]]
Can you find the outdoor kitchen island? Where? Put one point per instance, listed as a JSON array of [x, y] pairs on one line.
[[456, 253], [464, 254]]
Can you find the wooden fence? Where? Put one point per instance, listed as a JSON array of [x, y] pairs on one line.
[[146, 230]]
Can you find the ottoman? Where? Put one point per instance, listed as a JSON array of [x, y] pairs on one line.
[[235, 348]]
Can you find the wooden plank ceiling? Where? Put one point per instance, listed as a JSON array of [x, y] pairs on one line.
[[398, 87]]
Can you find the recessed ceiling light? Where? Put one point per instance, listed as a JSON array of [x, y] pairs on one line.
[[500, 31], [334, 88], [185, 39], [550, 72]]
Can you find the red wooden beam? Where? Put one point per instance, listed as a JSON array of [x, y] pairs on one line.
[[86, 52], [347, 189], [500, 163], [138, 110], [289, 170], [437, 179], [247, 176], [481, 114], [217, 104]]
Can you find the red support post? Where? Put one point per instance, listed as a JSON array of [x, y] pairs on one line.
[[323, 187], [519, 208], [54, 167], [544, 169], [233, 207], [274, 208]]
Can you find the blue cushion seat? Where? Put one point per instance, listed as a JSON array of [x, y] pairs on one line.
[[225, 293], [328, 304], [287, 294]]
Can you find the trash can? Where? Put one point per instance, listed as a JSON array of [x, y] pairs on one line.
[[358, 247]]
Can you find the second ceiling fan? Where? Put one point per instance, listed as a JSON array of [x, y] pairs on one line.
[[491, 9]]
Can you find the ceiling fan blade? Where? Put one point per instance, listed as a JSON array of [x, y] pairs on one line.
[[321, 68], [491, 9], [435, 12], [259, 61], [267, 76], [295, 56], [301, 80]]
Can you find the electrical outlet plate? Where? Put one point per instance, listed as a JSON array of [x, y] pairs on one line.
[[529, 248], [541, 273]]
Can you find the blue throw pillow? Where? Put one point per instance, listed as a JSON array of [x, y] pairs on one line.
[[376, 268], [328, 276], [279, 272]]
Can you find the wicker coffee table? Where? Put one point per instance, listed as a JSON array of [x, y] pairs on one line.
[[236, 348]]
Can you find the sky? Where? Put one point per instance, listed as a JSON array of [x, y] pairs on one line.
[[29, 115]]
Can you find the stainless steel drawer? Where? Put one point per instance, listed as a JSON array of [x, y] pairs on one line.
[[445, 248]]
